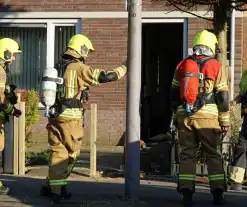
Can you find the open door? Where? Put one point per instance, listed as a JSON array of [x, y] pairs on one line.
[[162, 50]]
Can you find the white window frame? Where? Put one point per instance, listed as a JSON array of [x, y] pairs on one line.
[[173, 20], [50, 26]]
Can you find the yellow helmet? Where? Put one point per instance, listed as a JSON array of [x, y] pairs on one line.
[[81, 44], [7, 48], [206, 38]]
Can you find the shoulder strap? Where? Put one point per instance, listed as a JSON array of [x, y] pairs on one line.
[[62, 65], [201, 62]]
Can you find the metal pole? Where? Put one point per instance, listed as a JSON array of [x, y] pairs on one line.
[[132, 164], [232, 50]]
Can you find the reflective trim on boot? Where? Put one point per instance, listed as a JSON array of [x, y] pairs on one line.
[[4, 190], [237, 174]]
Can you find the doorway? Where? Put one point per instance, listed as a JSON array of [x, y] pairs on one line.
[[162, 49]]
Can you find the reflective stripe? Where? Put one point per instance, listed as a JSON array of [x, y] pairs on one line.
[[206, 109], [216, 177], [175, 83], [58, 182], [210, 86], [187, 177], [70, 89], [72, 113], [95, 76], [121, 71], [2, 116], [237, 174], [221, 86], [224, 118], [2, 84], [71, 166], [8, 108]]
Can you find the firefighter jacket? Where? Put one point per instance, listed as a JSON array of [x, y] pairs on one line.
[[6, 106], [77, 77], [210, 111]]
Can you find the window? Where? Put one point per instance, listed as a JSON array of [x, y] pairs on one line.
[[27, 70], [42, 43], [62, 37]]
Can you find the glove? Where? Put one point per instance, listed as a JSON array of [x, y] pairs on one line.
[[17, 113], [244, 110], [125, 64]]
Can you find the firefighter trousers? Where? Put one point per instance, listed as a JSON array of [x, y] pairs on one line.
[[208, 132], [64, 137], [239, 155]]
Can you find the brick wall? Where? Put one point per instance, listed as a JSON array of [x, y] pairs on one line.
[[80, 5], [109, 37], [67, 5], [245, 42], [239, 52]]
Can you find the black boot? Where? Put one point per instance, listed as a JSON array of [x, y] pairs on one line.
[[218, 197], [4, 190], [55, 198], [64, 193], [186, 197], [45, 191]]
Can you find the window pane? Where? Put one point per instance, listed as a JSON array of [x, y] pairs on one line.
[[62, 37], [26, 71]]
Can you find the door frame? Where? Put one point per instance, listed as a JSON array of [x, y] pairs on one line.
[[171, 20]]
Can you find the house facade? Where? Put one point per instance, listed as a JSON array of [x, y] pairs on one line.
[[44, 27]]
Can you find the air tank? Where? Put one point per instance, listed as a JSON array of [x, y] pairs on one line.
[[49, 88]]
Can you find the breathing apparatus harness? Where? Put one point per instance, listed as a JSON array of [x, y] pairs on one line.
[[203, 98], [61, 102]]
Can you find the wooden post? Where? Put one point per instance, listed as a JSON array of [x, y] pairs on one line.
[[9, 146], [16, 140], [93, 138], [21, 136]]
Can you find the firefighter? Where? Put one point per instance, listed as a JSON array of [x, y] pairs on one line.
[[202, 79], [65, 131], [8, 50], [239, 150]]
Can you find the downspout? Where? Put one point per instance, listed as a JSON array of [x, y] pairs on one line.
[[232, 50]]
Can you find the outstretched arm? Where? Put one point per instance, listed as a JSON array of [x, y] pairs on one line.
[[97, 76]]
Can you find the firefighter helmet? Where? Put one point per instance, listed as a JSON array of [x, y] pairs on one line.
[[206, 38], [81, 44], [8, 48]]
